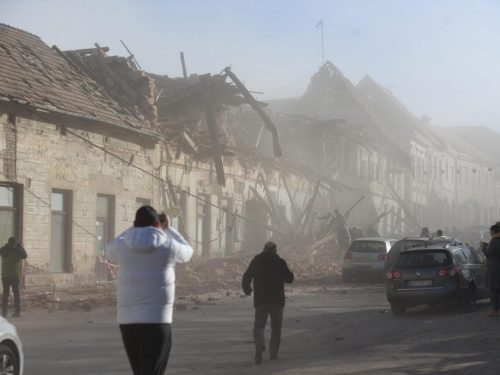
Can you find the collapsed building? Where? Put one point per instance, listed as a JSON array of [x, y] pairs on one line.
[[88, 137]]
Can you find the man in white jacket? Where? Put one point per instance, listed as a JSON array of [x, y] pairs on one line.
[[147, 254]]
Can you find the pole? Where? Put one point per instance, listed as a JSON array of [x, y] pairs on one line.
[[322, 43]]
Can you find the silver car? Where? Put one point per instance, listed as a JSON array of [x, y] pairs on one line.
[[11, 350], [366, 257]]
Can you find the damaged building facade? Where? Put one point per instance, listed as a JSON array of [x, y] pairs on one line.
[[86, 138]]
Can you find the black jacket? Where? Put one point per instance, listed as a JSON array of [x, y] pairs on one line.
[[269, 273]]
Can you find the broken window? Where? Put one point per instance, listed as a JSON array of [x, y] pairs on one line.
[[60, 230], [105, 214], [364, 164]]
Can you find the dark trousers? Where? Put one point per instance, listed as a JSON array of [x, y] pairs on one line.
[[261, 314], [495, 298], [7, 283], [147, 346]]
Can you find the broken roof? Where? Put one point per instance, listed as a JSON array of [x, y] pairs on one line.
[[480, 137], [32, 72], [395, 115]]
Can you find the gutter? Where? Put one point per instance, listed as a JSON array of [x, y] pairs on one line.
[[81, 116]]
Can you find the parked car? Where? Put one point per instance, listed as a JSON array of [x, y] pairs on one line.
[[401, 245], [366, 257], [435, 275], [11, 350]]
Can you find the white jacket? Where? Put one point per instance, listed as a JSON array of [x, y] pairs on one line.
[[146, 277]]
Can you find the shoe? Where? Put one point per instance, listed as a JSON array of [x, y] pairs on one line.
[[258, 356], [493, 314], [274, 358], [16, 315]]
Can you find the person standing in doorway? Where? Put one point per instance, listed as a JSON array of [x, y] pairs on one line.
[[269, 273], [146, 255], [492, 254], [11, 254]]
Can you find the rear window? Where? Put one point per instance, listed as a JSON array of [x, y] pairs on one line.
[[424, 259], [405, 244], [368, 247]]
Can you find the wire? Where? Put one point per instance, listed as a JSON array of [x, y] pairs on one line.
[[114, 155]]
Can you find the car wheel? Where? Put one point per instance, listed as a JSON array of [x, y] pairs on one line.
[[469, 302], [346, 278], [398, 310], [8, 361]]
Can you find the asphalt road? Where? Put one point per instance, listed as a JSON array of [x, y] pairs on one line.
[[328, 329]]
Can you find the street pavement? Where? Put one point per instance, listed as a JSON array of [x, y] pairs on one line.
[[329, 328]]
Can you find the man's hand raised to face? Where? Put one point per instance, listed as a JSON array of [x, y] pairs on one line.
[[164, 220]]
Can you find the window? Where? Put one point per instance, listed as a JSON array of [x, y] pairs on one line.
[[371, 167], [364, 164], [440, 169], [465, 172], [459, 257], [423, 259], [139, 202], [105, 221], [459, 175], [478, 179], [446, 172], [473, 179], [373, 247], [9, 214], [60, 231]]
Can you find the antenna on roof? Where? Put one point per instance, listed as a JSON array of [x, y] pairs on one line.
[[131, 57]]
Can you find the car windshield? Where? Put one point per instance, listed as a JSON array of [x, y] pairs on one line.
[[368, 247], [423, 259]]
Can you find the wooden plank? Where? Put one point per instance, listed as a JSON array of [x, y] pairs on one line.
[[212, 128], [295, 211], [87, 51], [309, 207], [257, 108], [184, 71]]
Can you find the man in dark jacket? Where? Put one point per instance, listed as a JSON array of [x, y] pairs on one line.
[[492, 254], [11, 253], [269, 273]]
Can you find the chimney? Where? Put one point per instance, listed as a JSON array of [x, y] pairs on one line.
[[425, 119]]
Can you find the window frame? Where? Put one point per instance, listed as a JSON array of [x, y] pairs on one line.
[[68, 236]]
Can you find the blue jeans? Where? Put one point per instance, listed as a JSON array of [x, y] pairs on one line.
[[7, 283], [261, 314]]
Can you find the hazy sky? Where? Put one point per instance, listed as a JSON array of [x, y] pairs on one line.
[[440, 58]]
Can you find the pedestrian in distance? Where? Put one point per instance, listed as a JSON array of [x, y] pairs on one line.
[[269, 273], [11, 254], [492, 253], [147, 254], [439, 233], [425, 232], [372, 232], [343, 234]]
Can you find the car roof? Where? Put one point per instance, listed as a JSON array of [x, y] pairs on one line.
[[432, 247], [374, 239], [416, 238]]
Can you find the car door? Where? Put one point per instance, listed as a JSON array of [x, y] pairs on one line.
[[476, 268]]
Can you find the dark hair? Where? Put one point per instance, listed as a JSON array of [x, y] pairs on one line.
[[146, 216], [439, 232], [496, 227], [12, 240], [270, 246]]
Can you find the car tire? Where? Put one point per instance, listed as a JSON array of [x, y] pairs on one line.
[[8, 361], [398, 310], [469, 302], [346, 278]]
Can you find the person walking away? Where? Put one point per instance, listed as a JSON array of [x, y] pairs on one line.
[[372, 232], [269, 272], [439, 233], [146, 255], [492, 254], [343, 235], [11, 254], [425, 232]]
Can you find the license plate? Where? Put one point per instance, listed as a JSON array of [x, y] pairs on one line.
[[419, 283]]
